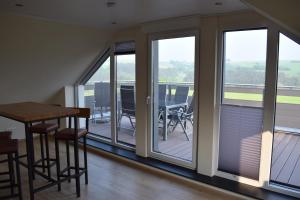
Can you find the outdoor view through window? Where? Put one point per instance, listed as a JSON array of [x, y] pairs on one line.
[[244, 67], [173, 71], [286, 147]]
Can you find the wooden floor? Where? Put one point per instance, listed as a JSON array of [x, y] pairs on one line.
[[177, 145], [286, 159], [112, 179]]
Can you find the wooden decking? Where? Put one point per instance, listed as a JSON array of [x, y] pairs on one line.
[[176, 145], [286, 159]]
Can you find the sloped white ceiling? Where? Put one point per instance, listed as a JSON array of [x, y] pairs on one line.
[[126, 13], [285, 13]]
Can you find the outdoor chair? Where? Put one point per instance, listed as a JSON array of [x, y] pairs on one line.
[[162, 96], [181, 117], [127, 104], [181, 94], [102, 98]]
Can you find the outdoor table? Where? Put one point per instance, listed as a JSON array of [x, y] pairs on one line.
[[165, 109], [28, 113]]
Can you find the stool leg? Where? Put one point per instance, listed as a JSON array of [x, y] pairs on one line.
[[68, 159], [85, 160], [42, 152], [57, 163], [77, 167], [11, 173], [47, 155], [18, 176], [32, 157]]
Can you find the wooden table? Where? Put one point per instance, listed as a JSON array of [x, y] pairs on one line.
[[27, 113]]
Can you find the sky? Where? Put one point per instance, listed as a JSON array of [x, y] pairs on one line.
[[178, 49], [247, 45]]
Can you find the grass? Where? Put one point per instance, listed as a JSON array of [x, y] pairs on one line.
[[259, 97], [238, 96]]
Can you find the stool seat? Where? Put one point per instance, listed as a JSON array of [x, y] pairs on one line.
[[8, 146], [69, 134], [43, 128], [5, 135]]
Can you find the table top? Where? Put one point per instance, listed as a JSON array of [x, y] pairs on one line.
[[30, 111], [170, 105]]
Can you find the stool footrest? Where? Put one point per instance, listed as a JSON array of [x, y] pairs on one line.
[[37, 163]]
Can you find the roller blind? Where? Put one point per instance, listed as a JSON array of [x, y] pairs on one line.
[[240, 140], [122, 48]]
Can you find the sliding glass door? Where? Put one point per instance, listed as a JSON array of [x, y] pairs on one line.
[[241, 109], [285, 167], [173, 111]]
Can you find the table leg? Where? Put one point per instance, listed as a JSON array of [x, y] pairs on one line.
[[29, 151], [165, 127]]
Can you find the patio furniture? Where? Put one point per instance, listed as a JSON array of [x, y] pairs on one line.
[[102, 99], [89, 102], [169, 106], [9, 147], [181, 117], [73, 135], [28, 113], [127, 104], [162, 99], [181, 94]]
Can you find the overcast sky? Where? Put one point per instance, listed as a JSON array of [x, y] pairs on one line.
[[240, 46]]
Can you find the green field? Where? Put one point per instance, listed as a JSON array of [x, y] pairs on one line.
[[239, 96], [259, 97]]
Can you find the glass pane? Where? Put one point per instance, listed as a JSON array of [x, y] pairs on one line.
[[244, 67], [126, 98], [286, 147], [97, 98], [241, 116], [173, 67]]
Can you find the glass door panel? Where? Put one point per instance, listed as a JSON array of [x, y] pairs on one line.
[[125, 70], [241, 111], [97, 98], [285, 167], [173, 72]]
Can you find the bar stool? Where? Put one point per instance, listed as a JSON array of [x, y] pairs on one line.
[[44, 130], [9, 147], [73, 135]]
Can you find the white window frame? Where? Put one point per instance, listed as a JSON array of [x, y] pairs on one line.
[[89, 73], [269, 104]]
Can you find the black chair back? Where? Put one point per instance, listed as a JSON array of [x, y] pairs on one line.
[[127, 99], [191, 107], [162, 94], [181, 94], [102, 94]]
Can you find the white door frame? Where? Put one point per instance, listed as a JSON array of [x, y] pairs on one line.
[[164, 157]]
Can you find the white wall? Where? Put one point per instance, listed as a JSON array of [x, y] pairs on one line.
[[38, 58]]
